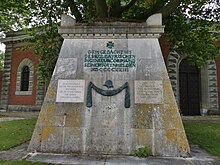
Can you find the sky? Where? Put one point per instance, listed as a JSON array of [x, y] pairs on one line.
[[2, 47]]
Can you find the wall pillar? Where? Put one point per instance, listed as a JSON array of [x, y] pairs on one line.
[[6, 77]]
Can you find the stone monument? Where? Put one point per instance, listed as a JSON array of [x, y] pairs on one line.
[[110, 93]]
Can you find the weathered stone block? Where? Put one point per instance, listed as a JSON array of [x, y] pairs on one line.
[[51, 139], [103, 141], [142, 117], [72, 135], [142, 138]]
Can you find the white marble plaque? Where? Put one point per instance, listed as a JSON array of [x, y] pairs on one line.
[[70, 91], [148, 92]]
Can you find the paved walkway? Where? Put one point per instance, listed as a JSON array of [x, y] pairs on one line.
[[10, 118], [214, 119], [16, 153], [199, 157], [18, 114]]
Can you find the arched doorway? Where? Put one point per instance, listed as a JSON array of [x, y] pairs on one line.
[[189, 88]]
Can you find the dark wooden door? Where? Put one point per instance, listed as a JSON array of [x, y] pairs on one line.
[[189, 85]]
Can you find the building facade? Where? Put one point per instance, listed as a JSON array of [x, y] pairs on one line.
[[197, 91], [19, 89]]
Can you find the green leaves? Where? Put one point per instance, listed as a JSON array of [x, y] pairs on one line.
[[193, 36], [47, 43], [11, 13], [2, 57], [142, 152]]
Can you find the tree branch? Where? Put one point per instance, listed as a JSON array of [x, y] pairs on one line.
[[128, 6], [101, 8], [154, 7], [169, 8], [116, 9], [74, 9]]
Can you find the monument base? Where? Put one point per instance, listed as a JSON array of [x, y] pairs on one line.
[[110, 94]]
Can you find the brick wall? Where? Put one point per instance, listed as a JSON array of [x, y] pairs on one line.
[[165, 47], [17, 57]]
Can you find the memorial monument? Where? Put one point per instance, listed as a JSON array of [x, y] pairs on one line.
[[110, 93]]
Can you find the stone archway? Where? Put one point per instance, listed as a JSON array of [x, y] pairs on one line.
[[209, 90], [173, 71], [25, 62]]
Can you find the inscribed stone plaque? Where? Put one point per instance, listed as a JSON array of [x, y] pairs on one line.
[[109, 59], [70, 91], [148, 92]]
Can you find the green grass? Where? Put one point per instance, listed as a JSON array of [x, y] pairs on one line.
[[20, 162], [13, 133], [205, 134]]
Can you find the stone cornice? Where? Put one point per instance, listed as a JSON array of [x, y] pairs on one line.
[[14, 39], [152, 28], [17, 36]]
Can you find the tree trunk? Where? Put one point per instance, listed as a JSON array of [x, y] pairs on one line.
[[101, 9], [115, 9]]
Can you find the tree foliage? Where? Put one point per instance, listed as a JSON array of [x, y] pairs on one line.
[[192, 30], [2, 57], [188, 22]]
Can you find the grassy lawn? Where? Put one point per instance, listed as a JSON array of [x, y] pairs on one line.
[[205, 134], [6, 162], [13, 133]]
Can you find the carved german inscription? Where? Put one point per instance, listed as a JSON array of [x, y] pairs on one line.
[[109, 60]]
